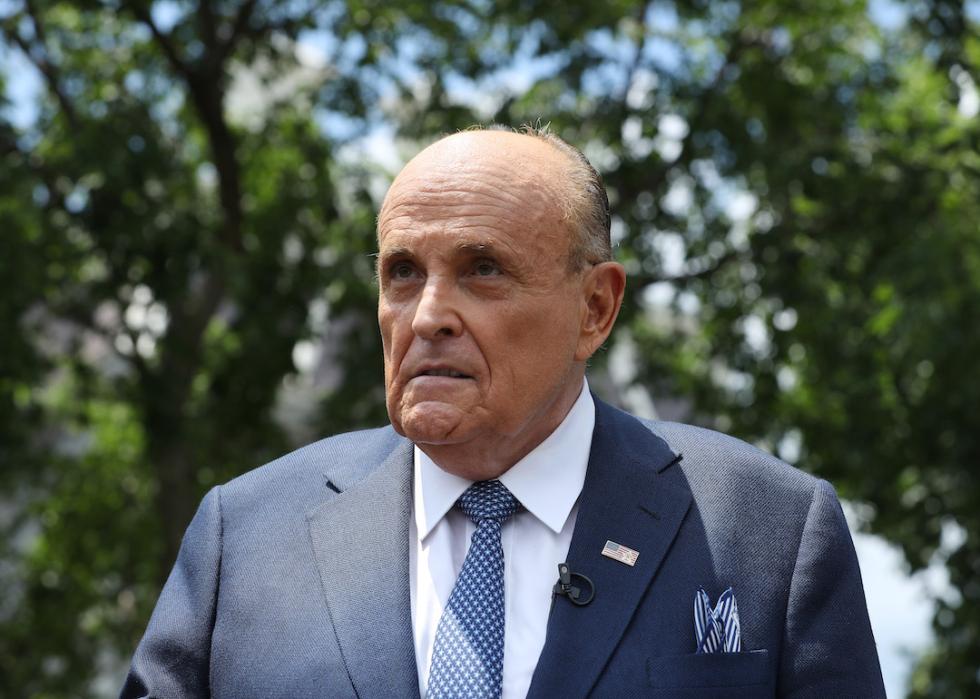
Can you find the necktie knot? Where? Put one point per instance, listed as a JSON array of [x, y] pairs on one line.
[[488, 500]]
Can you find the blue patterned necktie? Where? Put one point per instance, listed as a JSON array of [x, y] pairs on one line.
[[468, 657]]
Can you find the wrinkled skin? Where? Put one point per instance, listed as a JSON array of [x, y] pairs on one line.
[[485, 329]]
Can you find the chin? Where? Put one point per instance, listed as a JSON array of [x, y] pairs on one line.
[[431, 423]]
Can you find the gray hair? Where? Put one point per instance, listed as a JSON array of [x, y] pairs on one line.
[[584, 201]]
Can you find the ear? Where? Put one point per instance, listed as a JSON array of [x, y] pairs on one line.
[[602, 289]]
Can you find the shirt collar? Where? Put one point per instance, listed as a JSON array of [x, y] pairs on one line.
[[547, 481]]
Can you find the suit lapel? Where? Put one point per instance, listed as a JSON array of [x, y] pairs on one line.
[[630, 497], [360, 541]]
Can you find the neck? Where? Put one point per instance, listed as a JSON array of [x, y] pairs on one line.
[[489, 458]]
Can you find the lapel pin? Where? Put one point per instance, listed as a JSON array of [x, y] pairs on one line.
[[623, 554]]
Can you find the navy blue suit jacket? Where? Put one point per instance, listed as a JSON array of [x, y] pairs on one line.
[[292, 580]]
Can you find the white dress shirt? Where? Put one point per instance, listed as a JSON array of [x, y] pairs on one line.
[[547, 482]]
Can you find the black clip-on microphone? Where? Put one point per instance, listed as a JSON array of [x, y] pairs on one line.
[[580, 593]]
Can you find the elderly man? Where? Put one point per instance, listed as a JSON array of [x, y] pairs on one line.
[[424, 557]]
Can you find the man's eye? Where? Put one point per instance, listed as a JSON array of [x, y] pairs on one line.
[[402, 270], [486, 268]]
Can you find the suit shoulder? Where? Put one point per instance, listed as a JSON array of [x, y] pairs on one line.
[[745, 500], [343, 459], [715, 460]]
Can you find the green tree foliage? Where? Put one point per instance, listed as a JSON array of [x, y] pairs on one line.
[[169, 259], [795, 194]]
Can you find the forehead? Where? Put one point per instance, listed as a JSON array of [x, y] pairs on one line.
[[472, 198]]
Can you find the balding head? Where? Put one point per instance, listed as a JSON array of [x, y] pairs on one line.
[[569, 186]]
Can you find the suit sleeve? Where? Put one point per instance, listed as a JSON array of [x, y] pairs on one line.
[[828, 647], [173, 658]]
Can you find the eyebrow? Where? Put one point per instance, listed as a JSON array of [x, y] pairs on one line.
[[461, 246], [472, 248], [398, 251]]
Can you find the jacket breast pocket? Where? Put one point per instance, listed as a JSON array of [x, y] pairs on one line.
[[711, 675]]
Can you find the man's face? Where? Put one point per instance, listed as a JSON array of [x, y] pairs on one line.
[[480, 317]]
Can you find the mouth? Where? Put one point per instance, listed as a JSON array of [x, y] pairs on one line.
[[445, 373]]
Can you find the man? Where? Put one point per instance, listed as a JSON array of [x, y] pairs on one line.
[[421, 558]]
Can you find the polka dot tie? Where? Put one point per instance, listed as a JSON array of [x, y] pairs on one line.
[[468, 657]]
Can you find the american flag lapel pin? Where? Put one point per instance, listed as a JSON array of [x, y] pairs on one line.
[[623, 554]]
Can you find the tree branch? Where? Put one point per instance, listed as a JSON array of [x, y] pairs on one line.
[[239, 24], [39, 31], [48, 71], [164, 41], [205, 16], [640, 17], [702, 102]]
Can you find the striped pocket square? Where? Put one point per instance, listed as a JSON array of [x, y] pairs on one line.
[[717, 630]]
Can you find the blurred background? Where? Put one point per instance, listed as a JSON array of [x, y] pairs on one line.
[[187, 199]]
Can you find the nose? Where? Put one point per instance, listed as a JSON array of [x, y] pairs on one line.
[[436, 314]]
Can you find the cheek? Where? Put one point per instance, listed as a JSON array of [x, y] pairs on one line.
[[390, 320], [533, 344], [387, 323]]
